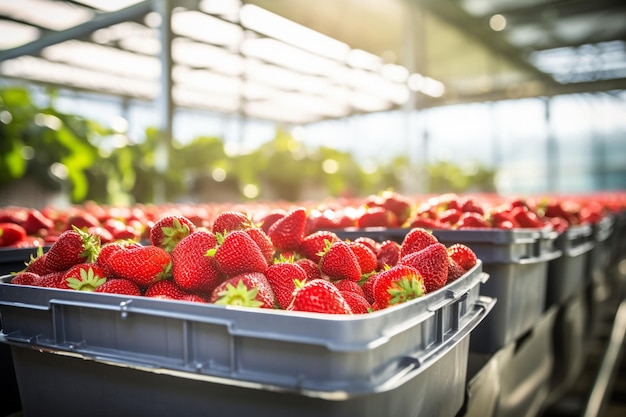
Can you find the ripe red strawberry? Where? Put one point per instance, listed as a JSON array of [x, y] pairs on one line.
[[192, 269], [37, 263], [282, 277], [397, 285], [397, 204], [313, 245], [428, 223], [83, 277], [36, 223], [230, 220], [470, 204], [109, 249], [358, 304], [369, 242], [367, 284], [143, 265], [526, 217], [415, 240], [454, 271], [270, 218], [463, 255], [377, 217], [11, 233], [288, 232], [250, 289], [388, 254], [339, 262], [367, 259], [71, 248], [348, 285], [431, 263], [25, 278], [50, 280], [170, 230], [450, 216], [263, 241], [311, 269], [82, 221], [472, 220], [237, 253], [165, 289], [319, 296], [119, 286]]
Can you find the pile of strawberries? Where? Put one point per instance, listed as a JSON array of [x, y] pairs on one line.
[[272, 264]]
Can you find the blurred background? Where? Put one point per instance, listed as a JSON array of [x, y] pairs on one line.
[[128, 101]]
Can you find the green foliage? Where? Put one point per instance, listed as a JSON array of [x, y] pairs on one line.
[[108, 168]]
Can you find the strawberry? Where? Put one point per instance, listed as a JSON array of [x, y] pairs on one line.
[[454, 271], [192, 269], [369, 242], [367, 259], [25, 278], [36, 223], [526, 217], [165, 289], [388, 254], [397, 285], [71, 248], [51, 280], [463, 255], [358, 304], [377, 217], [450, 216], [399, 205], [270, 218], [503, 219], [282, 277], [339, 262], [431, 263], [250, 289], [83, 277], [471, 205], [37, 263], [367, 285], [288, 232], [312, 245], [349, 285], [11, 233], [311, 269], [119, 286], [415, 240], [143, 265], [471, 220], [228, 221], [237, 253], [107, 250], [428, 223], [82, 221], [263, 241], [319, 296], [170, 230]]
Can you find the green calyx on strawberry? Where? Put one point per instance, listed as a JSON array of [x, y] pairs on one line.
[[397, 285], [169, 230], [88, 278], [239, 296], [71, 248]]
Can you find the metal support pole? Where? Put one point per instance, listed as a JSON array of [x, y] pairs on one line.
[[414, 61], [164, 101], [552, 152]]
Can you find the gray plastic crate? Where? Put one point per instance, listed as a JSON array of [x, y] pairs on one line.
[[600, 255], [483, 385], [15, 259], [567, 275], [526, 367], [517, 263], [334, 363]]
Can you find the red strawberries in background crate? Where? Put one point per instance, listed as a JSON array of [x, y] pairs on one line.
[[239, 264]]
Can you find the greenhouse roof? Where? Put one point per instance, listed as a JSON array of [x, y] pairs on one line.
[[297, 61]]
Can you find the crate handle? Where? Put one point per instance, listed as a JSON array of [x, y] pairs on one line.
[[415, 363]]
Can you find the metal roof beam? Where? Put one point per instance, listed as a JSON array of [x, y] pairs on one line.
[[79, 31]]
